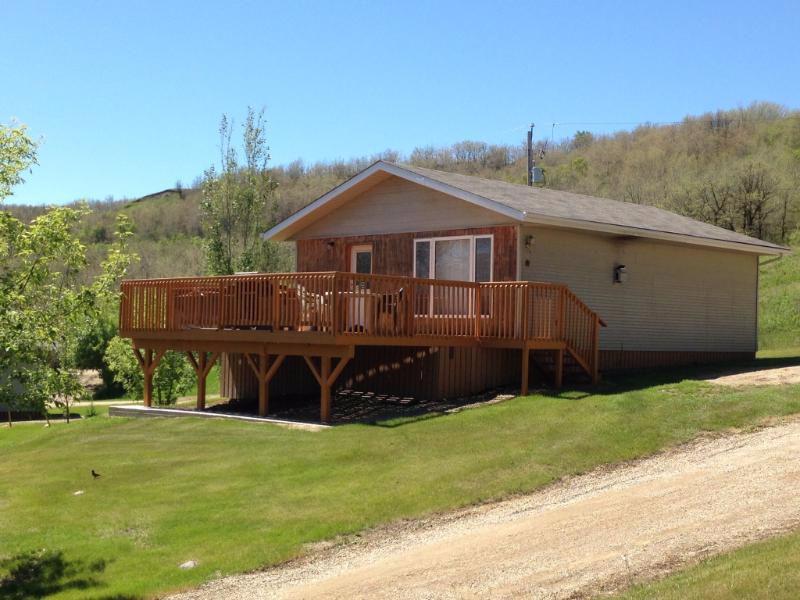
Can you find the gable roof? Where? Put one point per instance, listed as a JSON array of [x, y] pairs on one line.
[[526, 204]]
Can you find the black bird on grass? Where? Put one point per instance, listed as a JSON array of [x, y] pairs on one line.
[[95, 475]]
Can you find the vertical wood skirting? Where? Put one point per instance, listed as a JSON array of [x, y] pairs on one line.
[[418, 372], [627, 360]]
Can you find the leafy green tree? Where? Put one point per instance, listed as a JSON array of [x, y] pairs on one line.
[[238, 201], [173, 376], [17, 155], [91, 348], [44, 306]]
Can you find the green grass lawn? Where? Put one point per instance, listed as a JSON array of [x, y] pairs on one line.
[[779, 302], [768, 570], [236, 496]]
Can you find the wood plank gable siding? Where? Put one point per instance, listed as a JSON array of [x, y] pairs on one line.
[[393, 253], [680, 304], [397, 205]]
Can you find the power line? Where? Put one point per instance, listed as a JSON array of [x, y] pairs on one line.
[[685, 121]]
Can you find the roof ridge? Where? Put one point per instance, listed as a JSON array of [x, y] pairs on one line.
[[544, 206], [543, 194]]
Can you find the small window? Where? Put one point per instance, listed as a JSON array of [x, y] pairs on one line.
[[361, 259], [483, 259], [422, 259]]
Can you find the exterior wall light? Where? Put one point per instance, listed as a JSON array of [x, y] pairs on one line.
[[620, 274], [529, 239]]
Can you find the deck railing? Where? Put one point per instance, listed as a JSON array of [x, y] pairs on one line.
[[361, 306]]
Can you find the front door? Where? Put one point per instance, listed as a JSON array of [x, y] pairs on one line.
[[361, 259], [360, 304]]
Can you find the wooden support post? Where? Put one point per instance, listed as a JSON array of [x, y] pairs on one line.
[[148, 362], [148, 380], [523, 388], [559, 368], [325, 385], [263, 384], [201, 380], [264, 373], [202, 365], [326, 378]]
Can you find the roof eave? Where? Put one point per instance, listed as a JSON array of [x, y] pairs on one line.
[[288, 227], [764, 250]]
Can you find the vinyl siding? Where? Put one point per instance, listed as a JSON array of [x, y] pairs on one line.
[[396, 206], [676, 298]]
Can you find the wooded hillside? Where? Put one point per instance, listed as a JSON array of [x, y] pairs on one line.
[[739, 169]]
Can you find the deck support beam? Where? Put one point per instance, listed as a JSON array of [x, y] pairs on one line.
[[526, 355], [148, 362], [558, 378], [264, 372], [202, 366], [326, 378], [263, 384]]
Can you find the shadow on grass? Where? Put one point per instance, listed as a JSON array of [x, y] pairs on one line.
[[42, 573], [376, 409], [618, 383], [391, 422], [614, 383], [27, 417]]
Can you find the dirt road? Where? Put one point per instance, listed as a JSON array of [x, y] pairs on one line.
[[594, 532], [779, 376]]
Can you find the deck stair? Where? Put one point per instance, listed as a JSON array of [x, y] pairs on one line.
[[545, 363]]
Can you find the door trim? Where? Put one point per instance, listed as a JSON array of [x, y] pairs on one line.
[[355, 249]]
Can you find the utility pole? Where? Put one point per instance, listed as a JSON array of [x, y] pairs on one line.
[[530, 155]]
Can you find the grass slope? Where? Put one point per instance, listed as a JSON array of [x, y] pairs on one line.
[[236, 496], [779, 308], [768, 570]]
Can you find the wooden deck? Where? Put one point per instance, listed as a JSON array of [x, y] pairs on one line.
[[324, 316]]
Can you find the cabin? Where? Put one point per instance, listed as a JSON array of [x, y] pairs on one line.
[[416, 282]]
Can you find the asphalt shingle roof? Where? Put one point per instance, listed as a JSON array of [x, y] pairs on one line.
[[591, 209]]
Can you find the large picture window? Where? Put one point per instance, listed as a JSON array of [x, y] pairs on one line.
[[459, 258]]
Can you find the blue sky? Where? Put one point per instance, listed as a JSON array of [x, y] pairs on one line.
[[127, 96]]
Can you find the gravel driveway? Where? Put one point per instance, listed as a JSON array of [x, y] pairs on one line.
[[596, 532]]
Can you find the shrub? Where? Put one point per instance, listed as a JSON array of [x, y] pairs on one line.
[[90, 353], [173, 376]]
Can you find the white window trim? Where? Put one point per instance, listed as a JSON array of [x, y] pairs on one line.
[[432, 257]]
